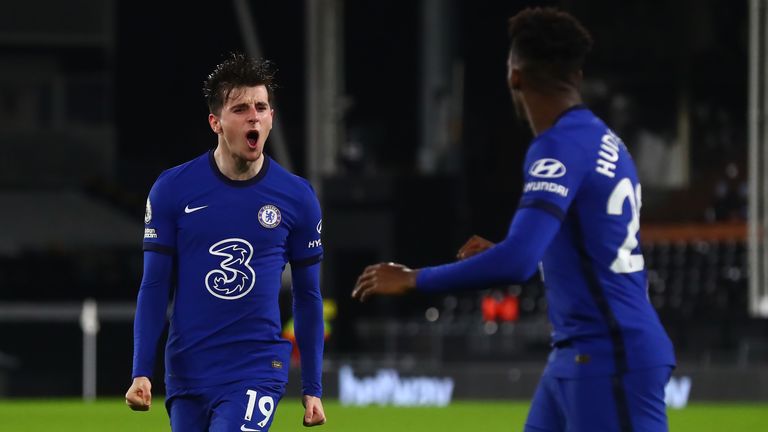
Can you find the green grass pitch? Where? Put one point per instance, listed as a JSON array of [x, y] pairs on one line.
[[68, 415]]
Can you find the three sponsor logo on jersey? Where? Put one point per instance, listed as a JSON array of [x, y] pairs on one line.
[[235, 277], [547, 168]]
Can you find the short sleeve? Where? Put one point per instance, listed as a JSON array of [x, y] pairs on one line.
[[160, 219], [305, 245], [554, 171]]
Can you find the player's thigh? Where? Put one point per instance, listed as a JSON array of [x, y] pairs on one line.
[[246, 406], [590, 404], [645, 398], [546, 413], [633, 402], [187, 413]]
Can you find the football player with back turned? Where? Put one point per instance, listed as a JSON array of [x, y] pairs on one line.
[[578, 220]]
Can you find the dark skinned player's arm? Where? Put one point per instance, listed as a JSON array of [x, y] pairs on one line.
[[513, 260]]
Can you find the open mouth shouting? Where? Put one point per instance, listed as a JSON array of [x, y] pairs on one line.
[[253, 139]]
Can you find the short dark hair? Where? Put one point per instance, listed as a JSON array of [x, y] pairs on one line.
[[550, 43], [238, 70]]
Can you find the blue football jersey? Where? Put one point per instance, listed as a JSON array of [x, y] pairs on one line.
[[231, 240], [581, 172]]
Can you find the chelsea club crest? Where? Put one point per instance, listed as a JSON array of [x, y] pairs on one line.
[[269, 216]]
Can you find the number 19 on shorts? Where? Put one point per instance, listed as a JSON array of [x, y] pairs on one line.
[[266, 407]]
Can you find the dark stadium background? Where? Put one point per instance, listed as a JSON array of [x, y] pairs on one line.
[[654, 55]]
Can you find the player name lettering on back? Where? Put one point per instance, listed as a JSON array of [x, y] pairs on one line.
[[546, 186], [314, 243], [608, 154]]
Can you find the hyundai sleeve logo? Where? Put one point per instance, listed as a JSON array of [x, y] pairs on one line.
[[547, 168]]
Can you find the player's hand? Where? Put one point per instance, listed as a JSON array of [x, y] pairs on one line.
[[139, 396], [474, 246], [384, 279], [313, 411]]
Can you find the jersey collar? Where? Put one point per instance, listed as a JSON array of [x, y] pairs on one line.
[[558, 119], [238, 183], [568, 111]]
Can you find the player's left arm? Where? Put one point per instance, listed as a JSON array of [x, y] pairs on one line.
[[309, 328], [308, 325], [314, 415], [305, 252]]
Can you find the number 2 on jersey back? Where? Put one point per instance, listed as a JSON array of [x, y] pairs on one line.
[[625, 261]]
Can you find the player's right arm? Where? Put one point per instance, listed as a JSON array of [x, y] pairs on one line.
[[474, 246], [513, 260], [139, 395], [553, 174], [151, 306], [152, 300]]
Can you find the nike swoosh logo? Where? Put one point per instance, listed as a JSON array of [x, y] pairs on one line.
[[193, 209], [246, 429]]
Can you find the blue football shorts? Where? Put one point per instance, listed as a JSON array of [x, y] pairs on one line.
[[242, 406], [633, 402]]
